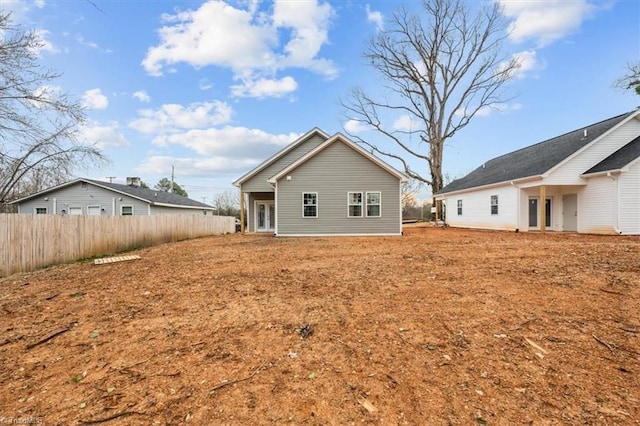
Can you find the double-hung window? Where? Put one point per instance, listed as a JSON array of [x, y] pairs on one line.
[[373, 204], [309, 204], [459, 207], [354, 202], [494, 204]]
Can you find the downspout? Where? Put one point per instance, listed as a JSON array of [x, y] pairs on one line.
[[518, 207], [55, 206], [275, 200], [616, 204]]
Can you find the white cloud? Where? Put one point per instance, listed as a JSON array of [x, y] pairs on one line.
[[47, 45], [376, 18], [194, 167], [528, 64], [545, 21], [172, 118], [406, 123], [263, 88], [103, 136], [255, 45], [94, 99], [354, 127], [235, 142], [141, 95]]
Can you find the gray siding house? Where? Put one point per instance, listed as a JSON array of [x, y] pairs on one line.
[[93, 197], [323, 185]]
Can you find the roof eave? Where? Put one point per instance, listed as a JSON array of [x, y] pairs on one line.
[[238, 182], [338, 136], [518, 181], [602, 173], [182, 206]]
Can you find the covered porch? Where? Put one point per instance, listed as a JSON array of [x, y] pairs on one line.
[[260, 209]]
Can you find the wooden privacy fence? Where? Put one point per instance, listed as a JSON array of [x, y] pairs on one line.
[[29, 242]]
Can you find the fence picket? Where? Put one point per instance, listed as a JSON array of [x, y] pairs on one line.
[[29, 241]]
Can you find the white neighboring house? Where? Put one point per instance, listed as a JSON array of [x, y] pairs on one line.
[[589, 180], [93, 197]]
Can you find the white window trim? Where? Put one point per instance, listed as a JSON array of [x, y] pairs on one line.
[[95, 205], [349, 204], [316, 204], [497, 204], [379, 204], [35, 210], [127, 205]]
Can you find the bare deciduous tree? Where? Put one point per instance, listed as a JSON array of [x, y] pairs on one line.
[[631, 80], [227, 203], [39, 144], [440, 67]]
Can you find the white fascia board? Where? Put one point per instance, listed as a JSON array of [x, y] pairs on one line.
[[632, 116], [329, 142], [238, 182]]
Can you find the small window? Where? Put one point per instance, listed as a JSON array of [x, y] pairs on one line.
[[459, 207], [41, 210], [126, 210], [354, 201], [309, 204], [84, 185], [494, 204], [373, 204]]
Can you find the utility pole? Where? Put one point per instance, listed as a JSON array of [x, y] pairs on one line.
[[111, 178], [171, 189], [204, 200]]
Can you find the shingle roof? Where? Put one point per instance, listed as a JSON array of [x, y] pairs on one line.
[[151, 195], [533, 160], [618, 159]]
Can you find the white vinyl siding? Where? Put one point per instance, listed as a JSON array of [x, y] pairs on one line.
[[630, 200], [569, 172], [477, 209]]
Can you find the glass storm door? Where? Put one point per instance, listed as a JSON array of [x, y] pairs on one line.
[[534, 212], [265, 216]]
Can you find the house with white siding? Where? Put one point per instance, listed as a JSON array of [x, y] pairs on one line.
[[93, 197], [322, 185], [586, 181]]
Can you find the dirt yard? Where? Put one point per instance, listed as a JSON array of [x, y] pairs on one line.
[[440, 326]]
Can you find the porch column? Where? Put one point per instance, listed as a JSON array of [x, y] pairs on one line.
[[241, 212], [543, 208]]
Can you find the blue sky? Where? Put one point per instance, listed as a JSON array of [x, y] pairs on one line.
[[215, 87]]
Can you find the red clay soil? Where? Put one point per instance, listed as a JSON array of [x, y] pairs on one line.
[[440, 326]]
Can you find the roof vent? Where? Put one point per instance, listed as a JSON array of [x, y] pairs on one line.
[[134, 181], [585, 133]]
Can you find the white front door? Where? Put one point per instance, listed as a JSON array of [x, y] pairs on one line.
[[534, 213], [265, 216], [570, 212]]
